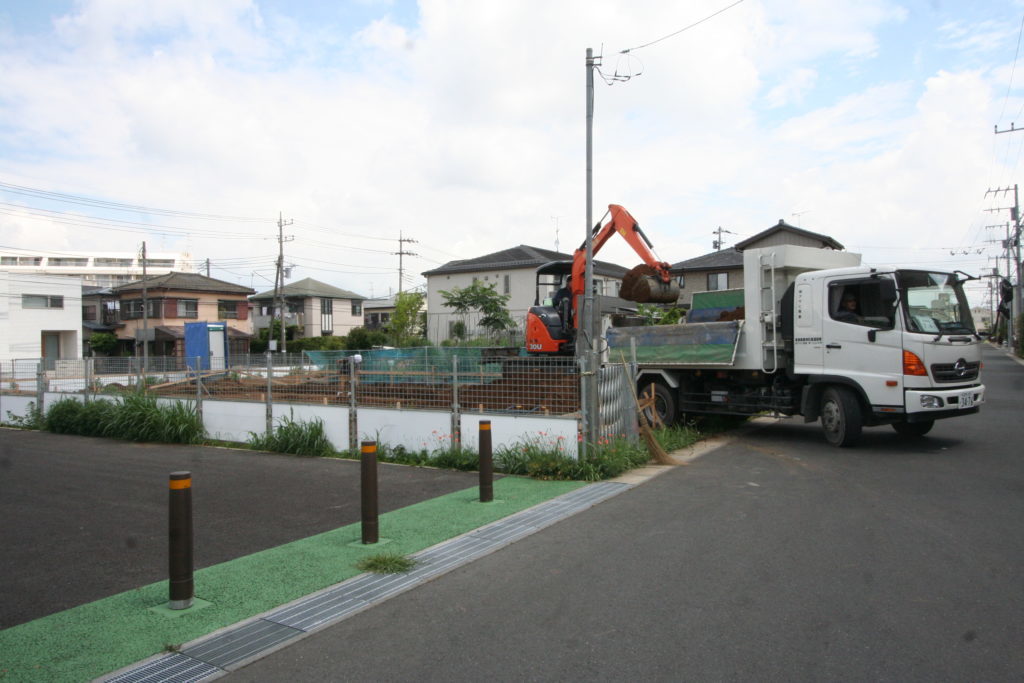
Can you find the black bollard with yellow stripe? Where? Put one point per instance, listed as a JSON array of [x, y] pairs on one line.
[[182, 586], [368, 491], [486, 463]]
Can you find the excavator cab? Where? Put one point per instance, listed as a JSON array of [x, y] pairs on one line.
[[550, 327]]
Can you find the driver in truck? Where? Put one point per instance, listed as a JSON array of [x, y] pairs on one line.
[[848, 309]]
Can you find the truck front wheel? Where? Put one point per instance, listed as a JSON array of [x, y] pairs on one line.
[[840, 417]]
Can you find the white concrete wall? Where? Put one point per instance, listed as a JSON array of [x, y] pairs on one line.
[[21, 329], [17, 406], [233, 420], [509, 431]]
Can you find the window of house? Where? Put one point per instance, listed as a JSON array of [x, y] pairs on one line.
[[132, 309], [357, 308], [41, 301], [506, 284], [8, 260], [718, 281], [294, 306], [226, 309], [89, 312], [326, 316], [30, 260], [68, 262], [188, 308], [160, 262]]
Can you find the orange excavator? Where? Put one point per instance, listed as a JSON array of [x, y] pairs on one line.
[[551, 329]]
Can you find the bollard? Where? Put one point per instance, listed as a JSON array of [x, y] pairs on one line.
[[180, 541], [368, 491], [486, 463]]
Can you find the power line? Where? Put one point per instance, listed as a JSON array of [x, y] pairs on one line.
[[685, 28]]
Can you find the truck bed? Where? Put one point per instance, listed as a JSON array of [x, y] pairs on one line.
[[702, 344]]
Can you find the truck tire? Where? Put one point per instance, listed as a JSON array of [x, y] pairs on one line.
[[840, 417], [913, 428], [664, 402]]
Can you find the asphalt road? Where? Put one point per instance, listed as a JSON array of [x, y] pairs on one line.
[[775, 558], [84, 518]]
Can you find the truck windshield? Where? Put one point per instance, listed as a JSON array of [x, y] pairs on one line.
[[934, 303]]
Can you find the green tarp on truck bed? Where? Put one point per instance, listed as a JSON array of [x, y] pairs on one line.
[[686, 344]]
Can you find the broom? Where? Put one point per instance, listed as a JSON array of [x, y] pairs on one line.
[[653, 447]]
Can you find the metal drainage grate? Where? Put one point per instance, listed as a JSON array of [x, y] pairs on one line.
[[222, 652]]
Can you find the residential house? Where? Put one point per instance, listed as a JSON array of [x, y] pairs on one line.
[[377, 312], [512, 272], [40, 317], [724, 269], [99, 313], [176, 298], [316, 308]]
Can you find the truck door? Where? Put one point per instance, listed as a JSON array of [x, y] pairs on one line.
[[862, 339]]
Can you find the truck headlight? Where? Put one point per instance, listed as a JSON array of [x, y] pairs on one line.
[[928, 401]]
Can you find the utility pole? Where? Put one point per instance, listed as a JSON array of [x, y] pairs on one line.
[[1012, 247], [207, 267], [145, 313], [279, 280], [717, 243], [400, 253], [587, 332]]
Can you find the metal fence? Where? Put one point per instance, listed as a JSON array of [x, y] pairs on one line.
[[616, 401], [429, 378]]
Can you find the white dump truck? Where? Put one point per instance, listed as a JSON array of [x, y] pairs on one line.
[[815, 333]]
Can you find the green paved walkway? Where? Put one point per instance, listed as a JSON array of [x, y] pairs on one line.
[[102, 636]]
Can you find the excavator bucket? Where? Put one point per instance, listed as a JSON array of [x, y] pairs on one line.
[[641, 284]]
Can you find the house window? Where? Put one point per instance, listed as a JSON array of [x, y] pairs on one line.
[[507, 284], [132, 309], [41, 301], [326, 316], [357, 308], [160, 262], [68, 262], [89, 312], [30, 260], [226, 309], [718, 281], [8, 260], [188, 308]]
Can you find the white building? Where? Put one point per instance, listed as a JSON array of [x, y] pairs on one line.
[[513, 273], [40, 317], [95, 269]]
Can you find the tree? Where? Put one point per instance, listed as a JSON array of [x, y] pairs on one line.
[[485, 299], [103, 342], [361, 339], [405, 321]]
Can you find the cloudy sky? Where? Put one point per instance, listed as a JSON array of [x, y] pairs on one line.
[[461, 124]]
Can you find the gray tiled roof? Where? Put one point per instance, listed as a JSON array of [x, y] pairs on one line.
[[190, 282], [310, 288], [784, 226], [523, 256]]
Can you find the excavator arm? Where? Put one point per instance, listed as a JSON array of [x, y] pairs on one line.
[[623, 223]]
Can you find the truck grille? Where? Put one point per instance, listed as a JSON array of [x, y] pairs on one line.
[[959, 371]]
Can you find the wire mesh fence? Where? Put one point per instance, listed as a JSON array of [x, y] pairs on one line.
[[485, 380]]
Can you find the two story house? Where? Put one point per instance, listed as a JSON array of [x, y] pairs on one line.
[[41, 317], [176, 298], [724, 269], [512, 272], [316, 308]]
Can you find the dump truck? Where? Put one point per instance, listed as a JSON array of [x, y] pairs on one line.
[[815, 333]]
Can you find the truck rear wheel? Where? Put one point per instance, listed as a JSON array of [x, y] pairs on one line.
[[913, 428], [840, 417], [664, 402]]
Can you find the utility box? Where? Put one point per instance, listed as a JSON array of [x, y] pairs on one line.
[[206, 345]]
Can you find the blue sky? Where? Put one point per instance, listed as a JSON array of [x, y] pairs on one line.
[[461, 125]]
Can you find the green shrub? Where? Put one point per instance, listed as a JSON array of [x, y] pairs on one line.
[[63, 416], [295, 437]]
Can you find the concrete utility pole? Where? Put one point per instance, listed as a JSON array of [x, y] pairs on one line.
[[400, 253], [587, 333], [145, 313], [1011, 245], [281, 239]]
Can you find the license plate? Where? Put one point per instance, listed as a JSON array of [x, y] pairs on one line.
[[967, 400]]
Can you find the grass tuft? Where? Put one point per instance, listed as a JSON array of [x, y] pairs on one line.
[[386, 563], [295, 437]]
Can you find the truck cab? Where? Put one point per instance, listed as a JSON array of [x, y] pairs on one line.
[[896, 346]]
